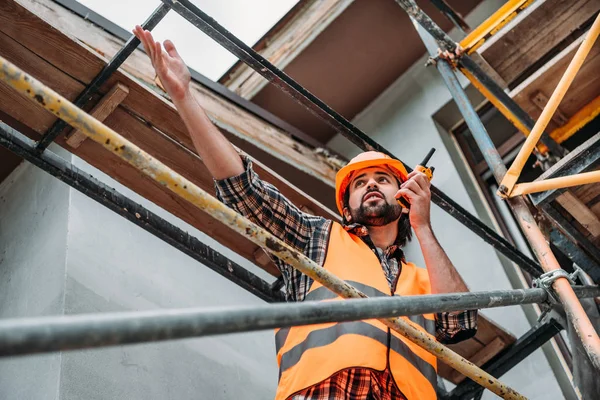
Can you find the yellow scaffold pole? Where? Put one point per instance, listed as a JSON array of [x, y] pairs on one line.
[[112, 141], [513, 173]]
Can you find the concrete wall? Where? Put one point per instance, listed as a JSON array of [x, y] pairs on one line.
[[61, 252], [401, 120], [33, 250]]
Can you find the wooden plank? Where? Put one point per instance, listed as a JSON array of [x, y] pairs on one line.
[[53, 40], [487, 332], [481, 357], [101, 111], [580, 212], [584, 89], [533, 33], [287, 43], [540, 100], [171, 152]]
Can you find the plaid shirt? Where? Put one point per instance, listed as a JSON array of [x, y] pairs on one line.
[[264, 205]]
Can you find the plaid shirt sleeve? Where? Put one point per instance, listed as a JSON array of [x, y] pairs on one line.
[[454, 327], [264, 205]]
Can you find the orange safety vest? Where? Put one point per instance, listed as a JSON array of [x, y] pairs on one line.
[[310, 354]]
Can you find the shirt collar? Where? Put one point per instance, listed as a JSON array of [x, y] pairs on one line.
[[362, 232]]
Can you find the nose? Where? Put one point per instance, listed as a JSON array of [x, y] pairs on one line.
[[372, 184]]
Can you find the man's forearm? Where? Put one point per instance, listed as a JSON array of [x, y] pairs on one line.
[[217, 153], [443, 276]]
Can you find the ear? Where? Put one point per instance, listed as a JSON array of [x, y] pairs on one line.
[[347, 214]]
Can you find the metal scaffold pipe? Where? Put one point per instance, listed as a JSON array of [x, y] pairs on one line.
[[512, 175], [109, 139], [46, 334], [532, 232]]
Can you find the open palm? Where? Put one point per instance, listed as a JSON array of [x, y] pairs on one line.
[[168, 64]]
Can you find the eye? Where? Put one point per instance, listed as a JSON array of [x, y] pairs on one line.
[[359, 183], [383, 179]]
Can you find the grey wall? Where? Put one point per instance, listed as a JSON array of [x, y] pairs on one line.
[[61, 252], [401, 120], [33, 249], [113, 265]]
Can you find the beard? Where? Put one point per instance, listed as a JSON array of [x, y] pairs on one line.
[[376, 215]]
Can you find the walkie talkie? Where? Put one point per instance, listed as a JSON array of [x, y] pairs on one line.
[[422, 167]]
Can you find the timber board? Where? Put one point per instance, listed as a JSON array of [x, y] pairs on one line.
[[150, 139], [534, 33], [487, 333], [68, 30], [584, 89]]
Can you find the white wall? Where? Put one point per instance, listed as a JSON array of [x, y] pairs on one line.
[[61, 252], [33, 248], [400, 119], [114, 265]]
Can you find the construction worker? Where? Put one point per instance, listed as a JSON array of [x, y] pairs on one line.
[[353, 360]]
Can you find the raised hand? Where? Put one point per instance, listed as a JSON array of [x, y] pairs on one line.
[[417, 189], [168, 64]]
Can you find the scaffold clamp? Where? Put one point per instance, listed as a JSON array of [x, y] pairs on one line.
[[546, 280]]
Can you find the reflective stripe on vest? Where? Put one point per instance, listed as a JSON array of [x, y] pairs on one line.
[[323, 337], [310, 354]]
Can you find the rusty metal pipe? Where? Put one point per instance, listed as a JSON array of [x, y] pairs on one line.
[[532, 232], [112, 141], [513, 173]]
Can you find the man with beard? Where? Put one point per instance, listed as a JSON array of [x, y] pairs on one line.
[[354, 360]]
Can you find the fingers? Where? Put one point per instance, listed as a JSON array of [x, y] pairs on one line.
[[153, 49], [171, 50], [420, 178], [413, 186]]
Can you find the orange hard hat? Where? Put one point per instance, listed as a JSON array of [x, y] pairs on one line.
[[361, 161]]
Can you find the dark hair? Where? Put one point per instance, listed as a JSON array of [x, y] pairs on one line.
[[404, 230]]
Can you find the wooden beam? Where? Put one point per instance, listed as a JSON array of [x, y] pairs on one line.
[[533, 33], [539, 99], [233, 120], [484, 355], [101, 111], [144, 117], [577, 208], [286, 43], [584, 89]]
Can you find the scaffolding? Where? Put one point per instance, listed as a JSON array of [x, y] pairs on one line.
[[37, 335]]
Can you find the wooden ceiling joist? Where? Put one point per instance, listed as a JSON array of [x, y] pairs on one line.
[[534, 33], [286, 43], [65, 52], [583, 91]]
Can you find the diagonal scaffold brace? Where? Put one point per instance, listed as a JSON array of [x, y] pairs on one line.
[[31, 88], [535, 237]]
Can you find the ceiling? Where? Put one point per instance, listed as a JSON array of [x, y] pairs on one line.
[[354, 60]]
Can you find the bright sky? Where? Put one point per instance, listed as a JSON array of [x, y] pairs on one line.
[[249, 20]]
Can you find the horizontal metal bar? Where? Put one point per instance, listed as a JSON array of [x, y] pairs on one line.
[[92, 88], [134, 212], [262, 66], [180, 186], [45, 334], [521, 349], [583, 178], [582, 159]]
